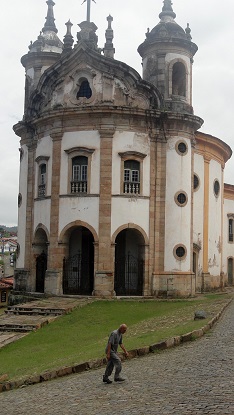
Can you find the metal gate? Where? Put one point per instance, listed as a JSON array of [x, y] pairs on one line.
[[77, 275], [41, 267], [129, 275]]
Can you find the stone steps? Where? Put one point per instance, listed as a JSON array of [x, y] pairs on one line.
[[21, 328], [35, 311], [21, 319]]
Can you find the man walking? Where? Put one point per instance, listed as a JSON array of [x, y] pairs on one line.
[[113, 359]]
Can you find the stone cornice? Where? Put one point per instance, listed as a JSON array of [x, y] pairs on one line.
[[212, 148], [80, 150], [132, 154]]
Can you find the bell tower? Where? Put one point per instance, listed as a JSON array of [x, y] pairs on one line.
[[43, 53], [167, 57]]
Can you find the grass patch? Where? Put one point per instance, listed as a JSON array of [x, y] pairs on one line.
[[82, 334]]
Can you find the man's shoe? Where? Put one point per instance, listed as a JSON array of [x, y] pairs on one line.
[[107, 380], [119, 380]]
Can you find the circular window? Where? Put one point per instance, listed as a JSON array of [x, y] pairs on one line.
[[180, 252], [196, 182], [181, 148], [181, 198], [216, 188]]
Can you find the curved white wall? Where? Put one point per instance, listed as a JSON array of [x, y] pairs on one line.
[[177, 219], [198, 208], [22, 213], [215, 210]]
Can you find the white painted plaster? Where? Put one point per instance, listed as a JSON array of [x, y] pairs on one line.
[[177, 219], [30, 73], [215, 205], [22, 209], [87, 139], [42, 210], [198, 208], [44, 148], [85, 209], [129, 141], [129, 210]]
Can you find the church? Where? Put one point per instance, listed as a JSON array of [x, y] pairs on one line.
[[119, 192]]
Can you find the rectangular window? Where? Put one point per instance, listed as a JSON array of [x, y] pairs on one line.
[[43, 178], [127, 175], [76, 173], [84, 173], [135, 175]]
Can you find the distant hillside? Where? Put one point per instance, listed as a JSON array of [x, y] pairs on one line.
[[11, 229]]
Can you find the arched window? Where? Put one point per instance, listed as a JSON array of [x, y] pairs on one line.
[[85, 91], [79, 174], [179, 79], [131, 176]]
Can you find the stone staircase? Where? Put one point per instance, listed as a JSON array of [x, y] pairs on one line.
[[21, 319]]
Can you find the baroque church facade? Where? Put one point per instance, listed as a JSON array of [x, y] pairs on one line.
[[119, 193]]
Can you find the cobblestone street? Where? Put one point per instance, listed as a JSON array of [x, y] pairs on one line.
[[195, 378]]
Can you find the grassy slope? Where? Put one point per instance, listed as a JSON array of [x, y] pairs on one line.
[[82, 334]]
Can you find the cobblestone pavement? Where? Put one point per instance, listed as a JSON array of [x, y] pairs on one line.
[[195, 378]]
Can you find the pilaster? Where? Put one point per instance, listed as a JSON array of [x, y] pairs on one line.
[[29, 257], [53, 281], [104, 279]]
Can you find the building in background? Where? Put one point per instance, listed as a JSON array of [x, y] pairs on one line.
[[119, 192]]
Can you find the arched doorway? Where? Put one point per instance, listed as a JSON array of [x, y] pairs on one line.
[[40, 247], [78, 268], [230, 271], [129, 262]]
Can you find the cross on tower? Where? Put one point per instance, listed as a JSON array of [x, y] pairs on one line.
[[88, 8]]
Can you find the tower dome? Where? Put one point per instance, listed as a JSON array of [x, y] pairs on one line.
[[48, 40]]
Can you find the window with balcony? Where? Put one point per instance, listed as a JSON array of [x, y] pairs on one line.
[[79, 174], [131, 177], [42, 181], [42, 178], [79, 170]]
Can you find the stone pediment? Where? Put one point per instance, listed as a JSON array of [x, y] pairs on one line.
[[110, 82]]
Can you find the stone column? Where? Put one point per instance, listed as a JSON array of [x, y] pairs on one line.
[[157, 211], [53, 279], [104, 278]]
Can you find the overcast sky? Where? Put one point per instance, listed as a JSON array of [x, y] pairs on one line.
[[211, 22]]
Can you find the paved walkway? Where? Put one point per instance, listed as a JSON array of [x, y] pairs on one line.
[[195, 378]]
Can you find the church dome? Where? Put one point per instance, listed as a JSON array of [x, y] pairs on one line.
[[47, 42], [168, 30]]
